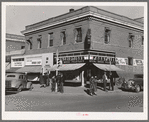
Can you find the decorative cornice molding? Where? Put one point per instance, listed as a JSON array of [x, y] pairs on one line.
[[17, 40], [89, 14]]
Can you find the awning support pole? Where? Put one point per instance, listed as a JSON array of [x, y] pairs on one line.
[[82, 79]]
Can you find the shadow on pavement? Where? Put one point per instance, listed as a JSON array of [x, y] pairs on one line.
[[10, 92], [72, 84]]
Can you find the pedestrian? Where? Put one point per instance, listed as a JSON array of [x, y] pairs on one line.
[[111, 81], [92, 86], [58, 78], [47, 78], [53, 83], [105, 81], [42, 80], [95, 84], [61, 83]]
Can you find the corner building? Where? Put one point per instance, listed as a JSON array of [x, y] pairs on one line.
[[88, 40]]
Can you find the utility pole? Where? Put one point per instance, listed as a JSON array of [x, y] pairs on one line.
[[57, 62]]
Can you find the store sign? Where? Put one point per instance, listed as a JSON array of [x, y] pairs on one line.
[[35, 61], [102, 59], [137, 62], [17, 64], [121, 61], [75, 59]]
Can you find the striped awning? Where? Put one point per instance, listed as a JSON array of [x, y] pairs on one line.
[[67, 67], [107, 67]]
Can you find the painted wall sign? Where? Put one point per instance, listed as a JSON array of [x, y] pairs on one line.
[[102, 59], [33, 61], [75, 59], [17, 64], [121, 61], [137, 62]]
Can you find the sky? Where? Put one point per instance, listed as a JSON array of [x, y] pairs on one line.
[[19, 16]]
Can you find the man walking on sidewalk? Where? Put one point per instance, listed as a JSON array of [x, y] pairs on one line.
[[105, 78]]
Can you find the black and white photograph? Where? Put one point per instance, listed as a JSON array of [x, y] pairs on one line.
[[74, 61]]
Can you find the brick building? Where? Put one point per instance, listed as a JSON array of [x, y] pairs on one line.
[[87, 40], [15, 45]]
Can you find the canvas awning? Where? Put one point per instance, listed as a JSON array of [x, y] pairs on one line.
[[67, 67], [107, 67], [30, 69], [12, 70]]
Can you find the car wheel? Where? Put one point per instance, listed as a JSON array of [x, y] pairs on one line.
[[31, 87], [20, 88], [137, 88]]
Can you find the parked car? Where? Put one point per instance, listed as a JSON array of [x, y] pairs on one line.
[[135, 84], [17, 81]]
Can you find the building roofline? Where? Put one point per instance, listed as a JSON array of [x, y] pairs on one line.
[[74, 14]]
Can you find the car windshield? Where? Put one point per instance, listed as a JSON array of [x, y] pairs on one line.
[[10, 76]]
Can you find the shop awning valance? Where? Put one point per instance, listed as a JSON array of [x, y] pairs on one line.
[[107, 67], [30, 69], [67, 67], [11, 70]]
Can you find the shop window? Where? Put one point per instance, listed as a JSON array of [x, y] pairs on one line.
[[29, 41], [142, 40], [39, 39], [78, 35], [130, 61], [50, 39], [107, 35], [63, 37], [130, 39]]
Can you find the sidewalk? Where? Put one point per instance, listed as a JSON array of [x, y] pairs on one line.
[[71, 89]]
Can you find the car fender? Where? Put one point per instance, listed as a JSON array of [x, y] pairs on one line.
[[28, 85], [15, 84]]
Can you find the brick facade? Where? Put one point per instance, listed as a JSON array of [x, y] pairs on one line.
[[96, 20]]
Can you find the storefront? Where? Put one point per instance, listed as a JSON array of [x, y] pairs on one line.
[[33, 65], [77, 66]]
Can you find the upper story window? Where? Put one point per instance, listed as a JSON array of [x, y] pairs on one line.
[[130, 61], [22, 47], [39, 39], [29, 41], [50, 42], [142, 40], [78, 35], [107, 35], [130, 39], [63, 37]]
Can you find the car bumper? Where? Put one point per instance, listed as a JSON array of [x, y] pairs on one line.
[[127, 87]]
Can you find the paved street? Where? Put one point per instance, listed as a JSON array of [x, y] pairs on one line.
[[74, 99]]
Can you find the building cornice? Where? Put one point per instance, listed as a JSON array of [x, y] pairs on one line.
[[17, 40], [86, 14]]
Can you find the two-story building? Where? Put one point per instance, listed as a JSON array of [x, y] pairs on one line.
[[87, 40]]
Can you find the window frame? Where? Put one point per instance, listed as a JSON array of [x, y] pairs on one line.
[[130, 40], [30, 45], [39, 39], [63, 38], [107, 35], [130, 63], [50, 41], [78, 35]]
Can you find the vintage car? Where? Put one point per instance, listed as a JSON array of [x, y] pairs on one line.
[[17, 81], [135, 84]]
